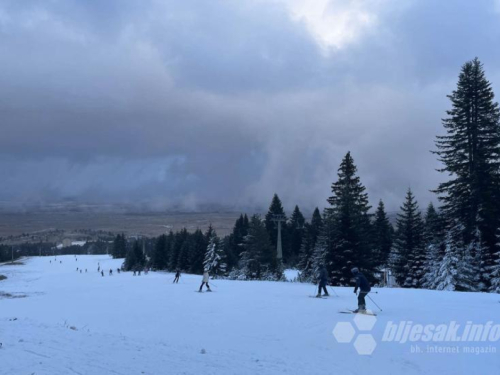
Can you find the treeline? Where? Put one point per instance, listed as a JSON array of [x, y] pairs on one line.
[[454, 247]]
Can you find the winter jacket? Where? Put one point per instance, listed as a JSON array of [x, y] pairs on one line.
[[362, 283], [205, 277], [323, 276]]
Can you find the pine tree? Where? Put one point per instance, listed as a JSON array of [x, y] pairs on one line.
[[306, 252], [316, 224], [233, 244], [382, 236], [348, 245], [161, 254], [119, 249], [177, 245], [323, 245], [495, 269], [470, 153], [215, 261], [296, 233], [434, 245], [258, 260], [458, 270], [135, 258], [448, 269], [409, 245], [276, 208], [199, 243], [306, 256]]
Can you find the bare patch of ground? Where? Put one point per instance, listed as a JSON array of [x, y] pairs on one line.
[[12, 295], [12, 264], [147, 224]]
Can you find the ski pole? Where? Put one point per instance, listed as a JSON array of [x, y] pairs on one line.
[[333, 290], [374, 302]]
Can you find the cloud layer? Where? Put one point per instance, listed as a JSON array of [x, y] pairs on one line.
[[180, 103]]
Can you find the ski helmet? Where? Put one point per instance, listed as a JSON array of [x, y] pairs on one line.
[[355, 270]]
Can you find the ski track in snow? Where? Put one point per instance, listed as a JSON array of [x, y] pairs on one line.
[[72, 323]]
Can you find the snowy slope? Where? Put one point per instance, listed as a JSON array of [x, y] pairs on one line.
[[72, 323]]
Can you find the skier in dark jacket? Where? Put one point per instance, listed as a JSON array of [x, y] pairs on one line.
[[177, 276], [364, 288], [322, 281]]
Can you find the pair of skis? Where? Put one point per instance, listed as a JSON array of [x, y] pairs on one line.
[[347, 311], [320, 297], [362, 312]]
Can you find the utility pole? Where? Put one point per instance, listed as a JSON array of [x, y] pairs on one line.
[[279, 219]]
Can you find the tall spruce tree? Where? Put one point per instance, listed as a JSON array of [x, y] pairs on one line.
[[458, 270], [382, 236], [296, 233], [316, 223], [198, 249], [495, 273], [434, 246], [135, 258], [161, 254], [470, 153], [323, 246], [310, 237], [258, 260], [119, 249], [177, 246], [235, 240], [348, 244], [409, 246], [215, 257], [305, 256], [276, 208]]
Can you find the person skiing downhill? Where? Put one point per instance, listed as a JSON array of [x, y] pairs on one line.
[[322, 281], [364, 288], [205, 281], [177, 276]]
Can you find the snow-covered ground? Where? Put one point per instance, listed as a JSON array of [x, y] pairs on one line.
[[72, 323]]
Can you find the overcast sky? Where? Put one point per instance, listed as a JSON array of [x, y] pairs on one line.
[[166, 103]]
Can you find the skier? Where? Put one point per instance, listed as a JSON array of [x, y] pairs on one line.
[[205, 281], [98, 268], [102, 273], [364, 288], [110, 272], [177, 276], [322, 281], [76, 269], [85, 270], [118, 270], [134, 272]]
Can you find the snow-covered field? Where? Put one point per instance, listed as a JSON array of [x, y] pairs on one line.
[[72, 323]]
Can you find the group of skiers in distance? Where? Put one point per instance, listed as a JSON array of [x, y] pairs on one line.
[[361, 282]]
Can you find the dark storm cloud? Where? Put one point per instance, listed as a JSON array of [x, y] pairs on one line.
[[177, 103]]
